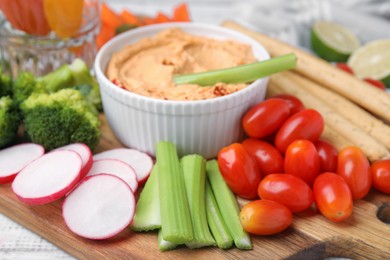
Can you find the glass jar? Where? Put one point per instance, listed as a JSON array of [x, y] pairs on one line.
[[21, 50]]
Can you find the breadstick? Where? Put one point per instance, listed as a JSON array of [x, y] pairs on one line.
[[358, 116], [371, 147], [356, 90]]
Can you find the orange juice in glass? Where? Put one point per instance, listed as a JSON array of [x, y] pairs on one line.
[[41, 35]]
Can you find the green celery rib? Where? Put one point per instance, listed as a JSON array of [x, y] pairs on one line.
[[147, 214], [240, 74], [216, 223], [227, 204], [194, 172], [163, 244], [175, 213]]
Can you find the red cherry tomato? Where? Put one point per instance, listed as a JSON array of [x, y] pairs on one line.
[[376, 83], [380, 171], [294, 103], [265, 118], [306, 124], [240, 170], [265, 217], [286, 189], [354, 167], [267, 157], [328, 156], [332, 196], [302, 160], [344, 67]]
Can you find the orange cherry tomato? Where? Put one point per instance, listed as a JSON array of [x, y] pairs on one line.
[[381, 175], [265, 118], [286, 189], [333, 196], [302, 160], [354, 167], [240, 170], [267, 157], [64, 16], [265, 217]]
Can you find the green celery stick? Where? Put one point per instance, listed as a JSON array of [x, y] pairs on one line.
[[240, 74], [164, 245], [194, 172], [147, 214], [228, 205], [216, 223], [176, 223]]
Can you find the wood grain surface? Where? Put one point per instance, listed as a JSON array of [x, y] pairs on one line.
[[311, 236]]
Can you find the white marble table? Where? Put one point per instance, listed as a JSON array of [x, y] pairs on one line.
[[288, 20]]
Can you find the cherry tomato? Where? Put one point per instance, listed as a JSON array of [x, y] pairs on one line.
[[332, 196], [294, 103], [380, 171], [265, 118], [328, 156], [240, 170], [354, 167], [306, 124], [267, 156], [302, 160], [286, 189], [345, 67], [265, 217], [376, 83]]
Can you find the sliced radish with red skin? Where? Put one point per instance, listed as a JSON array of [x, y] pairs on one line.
[[85, 153], [117, 168], [48, 178], [100, 207], [141, 162], [13, 159]]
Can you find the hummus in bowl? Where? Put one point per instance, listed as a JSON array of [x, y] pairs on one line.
[[147, 67], [202, 123]]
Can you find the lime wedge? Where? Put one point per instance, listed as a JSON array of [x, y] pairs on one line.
[[372, 61], [333, 42]]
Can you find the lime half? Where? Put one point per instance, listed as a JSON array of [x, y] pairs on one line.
[[333, 42], [372, 61]]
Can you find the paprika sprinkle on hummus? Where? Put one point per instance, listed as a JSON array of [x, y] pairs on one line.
[[147, 67]]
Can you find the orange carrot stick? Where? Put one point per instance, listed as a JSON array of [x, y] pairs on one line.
[[109, 17], [181, 13], [130, 18], [161, 18]]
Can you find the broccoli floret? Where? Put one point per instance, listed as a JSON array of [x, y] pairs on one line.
[[60, 118], [82, 76], [67, 76], [5, 84], [24, 85], [9, 121]]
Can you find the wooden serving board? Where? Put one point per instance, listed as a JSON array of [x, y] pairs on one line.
[[311, 236]]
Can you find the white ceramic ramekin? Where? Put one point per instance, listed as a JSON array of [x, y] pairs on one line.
[[202, 127]]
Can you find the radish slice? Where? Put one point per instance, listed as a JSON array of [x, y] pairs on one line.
[[100, 207], [13, 159], [48, 178], [141, 162], [85, 154], [117, 168]]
